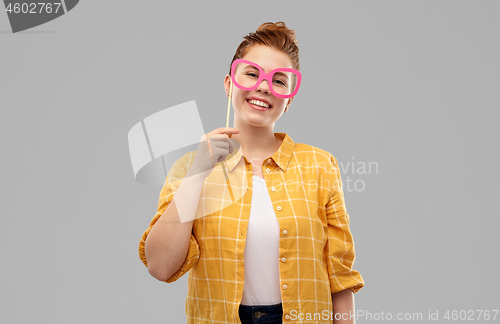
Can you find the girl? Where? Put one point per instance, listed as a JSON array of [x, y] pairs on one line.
[[283, 253]]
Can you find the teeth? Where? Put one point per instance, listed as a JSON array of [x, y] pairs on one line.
[[258, 103]]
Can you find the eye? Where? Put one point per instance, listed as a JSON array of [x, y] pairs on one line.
[[252, 74], [280, 82]]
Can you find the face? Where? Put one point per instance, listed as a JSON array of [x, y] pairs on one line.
[[269, 59]]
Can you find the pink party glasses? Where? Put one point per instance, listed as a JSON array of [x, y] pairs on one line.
[[282, 82]]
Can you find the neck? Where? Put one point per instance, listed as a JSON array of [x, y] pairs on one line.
[[256, 141]]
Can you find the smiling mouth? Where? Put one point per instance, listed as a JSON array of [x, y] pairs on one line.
[[258, 104]]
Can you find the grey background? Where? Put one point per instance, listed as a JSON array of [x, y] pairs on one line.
[[412, 86]]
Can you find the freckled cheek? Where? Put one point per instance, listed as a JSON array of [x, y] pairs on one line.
[[237, 99], [280, 105], [239, 96]]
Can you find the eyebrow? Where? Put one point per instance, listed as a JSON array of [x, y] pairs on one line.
[[250, 66], [283, 74]]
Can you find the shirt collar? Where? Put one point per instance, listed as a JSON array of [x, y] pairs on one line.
[[281, 157]]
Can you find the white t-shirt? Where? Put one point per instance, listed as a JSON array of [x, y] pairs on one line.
[[262, 280]]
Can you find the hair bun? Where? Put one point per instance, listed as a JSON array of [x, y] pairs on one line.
[[279, 27]]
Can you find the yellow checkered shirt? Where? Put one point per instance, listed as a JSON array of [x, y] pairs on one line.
[[304, 185]]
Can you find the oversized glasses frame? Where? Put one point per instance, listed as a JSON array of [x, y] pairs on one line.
[[265, 76]]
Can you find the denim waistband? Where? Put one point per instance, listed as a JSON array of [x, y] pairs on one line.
[[261, 313]]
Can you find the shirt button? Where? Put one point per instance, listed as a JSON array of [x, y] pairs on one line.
[[278, 208], [284, 286], [269, 160], [287, 317], [284, 232], [283, 259], [268, 170], [273, 189]]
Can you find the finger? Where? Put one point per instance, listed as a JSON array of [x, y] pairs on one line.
[[221, 145], [225, 142], [226, 130]]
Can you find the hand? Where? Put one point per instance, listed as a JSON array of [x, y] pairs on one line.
[[214, 147]]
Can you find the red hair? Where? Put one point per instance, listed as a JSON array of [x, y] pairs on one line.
[[276, 35]]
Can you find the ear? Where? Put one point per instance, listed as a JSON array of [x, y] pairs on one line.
[[227, 84], [289, 102]]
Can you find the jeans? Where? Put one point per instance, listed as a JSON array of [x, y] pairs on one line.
[[261, 314]]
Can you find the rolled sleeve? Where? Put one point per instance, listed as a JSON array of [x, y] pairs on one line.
[[339, 250], [174, 178]]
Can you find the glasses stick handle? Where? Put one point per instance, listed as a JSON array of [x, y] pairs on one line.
[[229, 103], [227, 125]]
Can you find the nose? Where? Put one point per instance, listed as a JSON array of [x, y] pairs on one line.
[[263, 87]]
